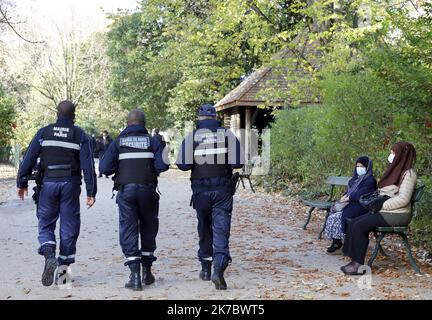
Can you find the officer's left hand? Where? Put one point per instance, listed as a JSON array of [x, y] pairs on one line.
[[90, 202], [22, 192]]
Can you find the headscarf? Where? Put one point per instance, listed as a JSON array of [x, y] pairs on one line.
[[356, 180], [405, 155]]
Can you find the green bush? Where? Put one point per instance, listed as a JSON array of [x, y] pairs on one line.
[[291, 142], [312, 142], [5, 154], [7, 116]]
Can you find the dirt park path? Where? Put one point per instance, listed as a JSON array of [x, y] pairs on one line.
[[273, 258]]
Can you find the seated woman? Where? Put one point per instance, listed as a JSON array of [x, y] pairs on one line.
[[398, 182], [348, 206]]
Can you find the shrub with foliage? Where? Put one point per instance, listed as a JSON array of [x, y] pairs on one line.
[[7, 116]]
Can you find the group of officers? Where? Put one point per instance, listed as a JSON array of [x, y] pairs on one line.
[[62, 151]]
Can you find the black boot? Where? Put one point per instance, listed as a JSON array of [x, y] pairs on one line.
[[134, 282], [50, 266], [218, 279], [336, 247], [205, 273], [147, 275]]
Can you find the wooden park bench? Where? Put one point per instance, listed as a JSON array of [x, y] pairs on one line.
[[325, 205], [402, 231]]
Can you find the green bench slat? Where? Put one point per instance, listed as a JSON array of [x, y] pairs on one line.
[[317, 204], [417, 195], [331, 180], [392, 229], [338, 181]]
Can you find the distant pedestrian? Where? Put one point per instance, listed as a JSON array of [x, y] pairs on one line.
[[102, 145], [156, 134]]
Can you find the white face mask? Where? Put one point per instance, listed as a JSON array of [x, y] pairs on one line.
[[391, 157], [361, 171]]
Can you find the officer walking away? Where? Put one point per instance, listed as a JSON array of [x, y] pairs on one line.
[[64, 150], [102, 146], [211, 152], [136, 159], [158, 136]]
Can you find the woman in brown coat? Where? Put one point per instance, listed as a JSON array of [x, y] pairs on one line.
[[398, 183]]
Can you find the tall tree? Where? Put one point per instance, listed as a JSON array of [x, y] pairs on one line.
[[73, 72], [173, 56]]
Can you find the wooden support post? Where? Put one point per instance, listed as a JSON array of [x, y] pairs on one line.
[[248, 127], [235, 122]]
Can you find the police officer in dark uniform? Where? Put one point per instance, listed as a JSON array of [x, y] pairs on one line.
[[136, 159], [64, 150], [212, 152]]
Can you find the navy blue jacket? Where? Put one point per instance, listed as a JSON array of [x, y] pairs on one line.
[[109, 163], [354, 208], [208, 183], [86, 161]]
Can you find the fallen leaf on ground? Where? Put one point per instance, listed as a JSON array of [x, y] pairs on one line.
[[26, 290]]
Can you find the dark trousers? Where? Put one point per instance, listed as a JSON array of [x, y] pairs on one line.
[[351, 211], [357, 237], [139, 218], [59, 199], [214, 223], [100, 156]]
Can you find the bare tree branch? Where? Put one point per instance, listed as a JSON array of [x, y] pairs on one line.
[[5, 19], [255, 8]]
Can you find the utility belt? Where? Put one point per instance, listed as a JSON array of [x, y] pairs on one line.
[[60, 171], [204, 171], [120, 187], [148, 185], [232, 181], [231, 186]]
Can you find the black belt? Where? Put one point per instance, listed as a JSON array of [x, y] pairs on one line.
[[59, 171]]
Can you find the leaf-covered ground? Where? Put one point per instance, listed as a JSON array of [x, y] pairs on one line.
[[273, 257]]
